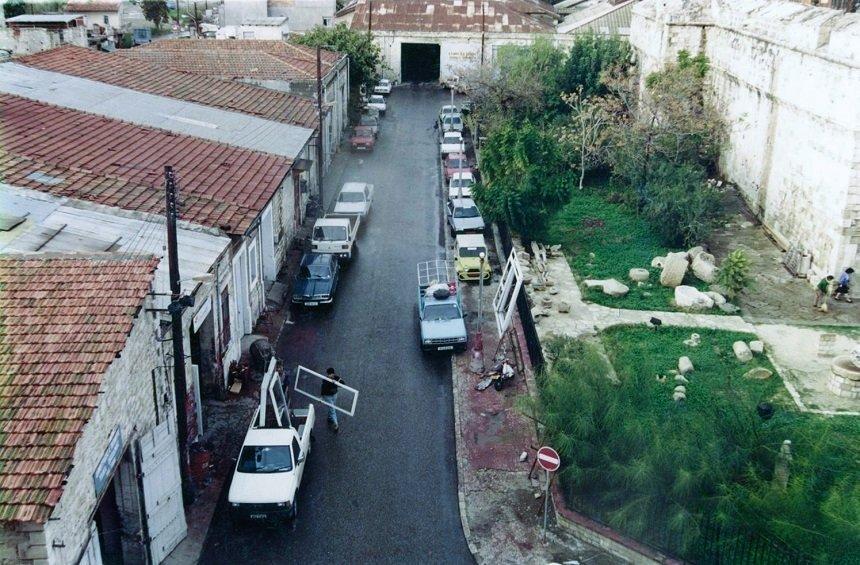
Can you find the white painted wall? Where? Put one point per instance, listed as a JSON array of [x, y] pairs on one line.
[[27, 41], [304, 14], [787, 78], [237, 11], [92, 19]]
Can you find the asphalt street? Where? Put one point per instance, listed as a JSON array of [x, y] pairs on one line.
[[384, 489]]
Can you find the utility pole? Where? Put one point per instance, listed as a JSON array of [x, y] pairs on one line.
[[477, 363], [320, 151], [369, 17], [177, 305], [483, 16]]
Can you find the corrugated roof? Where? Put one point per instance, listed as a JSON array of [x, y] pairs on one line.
[[451, 16], [177, 116], [237, 58], [42, 19], [127, 72], [64, 320], [91, 158], [54, 224], [76, 7]]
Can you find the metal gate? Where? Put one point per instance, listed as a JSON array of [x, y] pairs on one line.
[[162, 490]]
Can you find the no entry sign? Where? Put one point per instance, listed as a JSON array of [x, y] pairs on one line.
[[548, 459]]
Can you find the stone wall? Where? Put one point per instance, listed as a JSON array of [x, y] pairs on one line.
[[127, 401], [786, 77]]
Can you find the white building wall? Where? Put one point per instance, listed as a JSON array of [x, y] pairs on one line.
[[26, 41], [92, 19], [127, 400], [784, 76], [304, 14], [237, 11]]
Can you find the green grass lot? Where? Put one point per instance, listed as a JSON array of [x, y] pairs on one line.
[[619, 240], [697, 478]]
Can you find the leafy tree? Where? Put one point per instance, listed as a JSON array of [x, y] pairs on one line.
[[155, 11], [365, 57], [14, 8], [591, 55], [680, 204], [523, 177], [585, 134], [524, 84]]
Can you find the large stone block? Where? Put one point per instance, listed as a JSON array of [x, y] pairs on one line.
[[742, 351], [674, 269], [703, 269], [690, 297]]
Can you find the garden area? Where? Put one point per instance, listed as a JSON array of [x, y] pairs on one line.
[[603, 238], [706, 476]]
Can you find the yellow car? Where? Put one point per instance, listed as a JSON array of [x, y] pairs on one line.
[[468, 258]]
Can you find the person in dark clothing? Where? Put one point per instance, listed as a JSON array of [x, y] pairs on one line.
[[821, 293], [328, 392]]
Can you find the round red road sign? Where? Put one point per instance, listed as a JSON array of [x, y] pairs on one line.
[[548, 459]]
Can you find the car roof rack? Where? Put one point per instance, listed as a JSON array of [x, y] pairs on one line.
[[436, 271]]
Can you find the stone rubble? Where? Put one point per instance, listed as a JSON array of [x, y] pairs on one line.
[[685, 366], [693, 298], [674, 269], [742, 351]]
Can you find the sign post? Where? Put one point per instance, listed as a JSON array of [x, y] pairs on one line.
[[549, 461]]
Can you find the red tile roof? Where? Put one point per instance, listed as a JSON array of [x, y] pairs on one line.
[[120, 164], [237, 58], [498, 16], [63, 321], [81, 7], [161, 80]]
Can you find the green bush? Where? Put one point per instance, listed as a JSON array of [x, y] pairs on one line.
[[735, 273]]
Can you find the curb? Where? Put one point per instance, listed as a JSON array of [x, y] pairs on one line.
[[461, 462]]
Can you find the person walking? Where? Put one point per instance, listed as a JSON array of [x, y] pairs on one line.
[[843, 288], [328, 392], [822, 290]]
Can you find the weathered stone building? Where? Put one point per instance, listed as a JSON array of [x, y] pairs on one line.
[[787, 79]]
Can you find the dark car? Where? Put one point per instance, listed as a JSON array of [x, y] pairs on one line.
[[362, 138], [317, 280]]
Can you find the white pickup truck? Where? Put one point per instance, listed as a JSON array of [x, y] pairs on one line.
[[336, 234], [272, 459]]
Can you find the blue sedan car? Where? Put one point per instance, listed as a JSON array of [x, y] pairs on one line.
[[317, 279]]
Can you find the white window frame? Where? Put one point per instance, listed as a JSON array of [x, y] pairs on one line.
[[253, 263]]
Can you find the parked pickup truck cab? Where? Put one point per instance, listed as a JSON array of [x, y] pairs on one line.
[[440, 312], [452, 142], [354, 199], [467, 258], [362, 139], [316, 281], [377, 101], [336, 234], [464, 216], [272, 459], [460, 185]]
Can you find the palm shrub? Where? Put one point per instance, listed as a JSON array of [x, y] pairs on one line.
[[735, 273]]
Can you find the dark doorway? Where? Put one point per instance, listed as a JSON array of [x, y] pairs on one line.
[[419, 62], [109, 525]]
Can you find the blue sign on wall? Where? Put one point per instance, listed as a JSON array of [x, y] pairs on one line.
[[108, 462]]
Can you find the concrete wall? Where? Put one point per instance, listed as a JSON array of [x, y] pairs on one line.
[[22, 544], [237, 11], [92, 19], [786, 77], [303, 14], [127, 401], [26, 41]]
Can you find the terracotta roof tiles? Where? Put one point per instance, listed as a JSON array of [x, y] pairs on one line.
[[48, 393], [87, 157], [154, 76]]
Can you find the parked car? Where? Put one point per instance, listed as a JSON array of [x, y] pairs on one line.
[[467, 258], [456, 163], [452, 142], [460, 185], [440, 312], [464, 216], [362, 139], [447, 110], [454, 122], [370, 121], [383, 86], [377, 101], [316, 281], [354, 198]]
